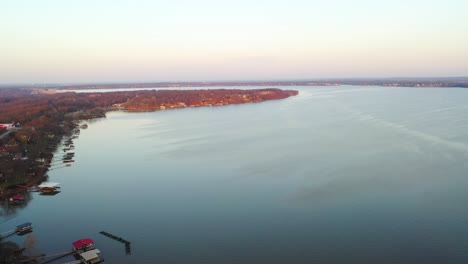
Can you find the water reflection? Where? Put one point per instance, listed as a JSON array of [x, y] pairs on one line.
[[12, 205]]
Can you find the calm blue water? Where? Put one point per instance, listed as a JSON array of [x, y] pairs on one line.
[[334, 175]]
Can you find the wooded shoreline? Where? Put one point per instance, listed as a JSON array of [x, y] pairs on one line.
[[41, 120]]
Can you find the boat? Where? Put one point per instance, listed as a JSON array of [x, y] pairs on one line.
[[84, 126], [48, 187]]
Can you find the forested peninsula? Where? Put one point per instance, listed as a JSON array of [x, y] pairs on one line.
[[33, 122]]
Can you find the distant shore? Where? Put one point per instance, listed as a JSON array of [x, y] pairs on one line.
[[461, 82]]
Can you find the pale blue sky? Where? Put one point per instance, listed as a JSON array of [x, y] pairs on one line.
[[181, 40]]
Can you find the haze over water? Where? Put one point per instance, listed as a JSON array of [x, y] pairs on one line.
[[333, 175]]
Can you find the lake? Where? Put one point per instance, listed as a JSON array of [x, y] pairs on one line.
[[343, 174]]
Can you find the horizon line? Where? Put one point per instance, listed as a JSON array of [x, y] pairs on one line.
[[240, 81]]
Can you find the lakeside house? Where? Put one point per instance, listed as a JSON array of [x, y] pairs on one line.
[[7, 126]]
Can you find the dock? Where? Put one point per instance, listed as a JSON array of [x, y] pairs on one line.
[[19, 230], [119, 239], [54, 257]]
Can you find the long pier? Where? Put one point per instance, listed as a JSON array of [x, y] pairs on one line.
[[43, 256], [119, 239], [57, 256]]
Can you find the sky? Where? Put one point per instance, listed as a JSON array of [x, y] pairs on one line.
[[59, 41]]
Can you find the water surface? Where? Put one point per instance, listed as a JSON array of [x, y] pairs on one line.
[[334, 175]]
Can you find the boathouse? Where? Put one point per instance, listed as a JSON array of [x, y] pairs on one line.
[[83, 245], [48, 187], [23, 228]]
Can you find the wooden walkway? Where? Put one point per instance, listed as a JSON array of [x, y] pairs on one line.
[[73, 262], [54, 257], [7, 234]]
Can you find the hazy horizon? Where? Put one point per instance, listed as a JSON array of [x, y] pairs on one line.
[[191, 41], [251, 81]]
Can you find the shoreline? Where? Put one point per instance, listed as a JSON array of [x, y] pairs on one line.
[[33, 146]]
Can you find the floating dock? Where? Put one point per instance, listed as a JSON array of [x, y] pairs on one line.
[[119, 239]]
